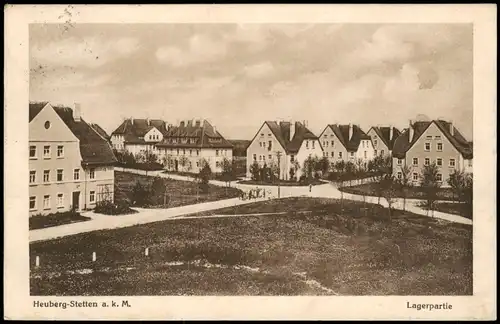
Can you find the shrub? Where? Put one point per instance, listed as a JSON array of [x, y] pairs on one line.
[[140, 195], [109, 208]]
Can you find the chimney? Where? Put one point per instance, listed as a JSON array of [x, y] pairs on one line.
[[292, 129], [391, 132], [411, 130], [132, 120], [350, 131], [215, 129], [77, 112], [147, 120], [452, 129], [182, 124], [190, 123], [198, 123]]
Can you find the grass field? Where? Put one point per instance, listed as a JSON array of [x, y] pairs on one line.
[[180, 192], [283, 183], [460, 209], [370, 189], [326, 252]]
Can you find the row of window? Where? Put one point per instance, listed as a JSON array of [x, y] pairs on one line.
[[59, 175], [262, 157], [429, 137], [427, 147], [154, 137], [46, 151], [269, 147], [325, 143], [415, 176], [59, 201], [427, 161], [307, 144], [381, 152]]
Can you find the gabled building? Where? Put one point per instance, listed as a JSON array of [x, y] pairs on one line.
[[71, 166], [383, 139], [293, 141], [425, 142], [101, 131], [139, 136], [347, 143], [184, 147]]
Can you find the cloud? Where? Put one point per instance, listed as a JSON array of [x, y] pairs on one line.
[[88, 52], [259, 70], [200, 48]]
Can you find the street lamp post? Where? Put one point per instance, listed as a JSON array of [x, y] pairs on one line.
[[278, 154]]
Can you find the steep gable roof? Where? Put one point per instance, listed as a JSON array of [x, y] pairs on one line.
[[281, 132], [342, 133], [384, 134], [205, 136], [134, 130], [100, 131], [403, 143], [95, 150]]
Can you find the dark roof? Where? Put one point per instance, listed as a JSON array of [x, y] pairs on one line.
[[204, 136], [403, 143], [35, 108], [342, 132], [384, 134], [281, 131], [94, 149], [100, 131], [135, 129]]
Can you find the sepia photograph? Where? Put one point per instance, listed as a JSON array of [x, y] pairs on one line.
[[250, 159]]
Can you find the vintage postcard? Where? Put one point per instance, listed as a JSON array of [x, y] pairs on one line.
[[250, 162]]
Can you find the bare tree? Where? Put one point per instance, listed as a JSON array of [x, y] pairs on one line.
[[430, 183], [390, 191], [405, 183]]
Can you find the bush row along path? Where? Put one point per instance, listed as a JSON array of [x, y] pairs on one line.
[[327, 190]]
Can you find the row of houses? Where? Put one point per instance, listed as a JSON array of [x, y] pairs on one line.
[[422, 143]]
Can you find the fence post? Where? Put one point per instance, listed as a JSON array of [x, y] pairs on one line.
[[146, 252], [37, 261], [94, 257]]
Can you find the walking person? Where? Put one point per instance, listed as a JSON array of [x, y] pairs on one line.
[[310, 187]]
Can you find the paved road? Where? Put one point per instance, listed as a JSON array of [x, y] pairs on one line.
[[327, 190]]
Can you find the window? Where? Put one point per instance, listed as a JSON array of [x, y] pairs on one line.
[[190, 152], [439, 177], [260, 144], [470, 163], [59, 175], [269, 134], [427, 161], [270, 146], [46, 175], [340, 155], [400, 175], [92, 196], [183, 151], [198, 152], [32, 176], [375, 143], [60, 200], [270, 157], [47, 124], [375, 152], [32, 202], [177, 151], [365, 154], [217, 164], [216, 152], [352, 154], [76, 174], [292, 158], [437, 137], [429, 137], [415, 161], [46, 151], [255, 157], [381, 152], [439, 161], [427, 147], [325, 144], [260, 157], [198, 163], [92, 173], [46, 202], [261, 134], [440, 147], [400, 161], [32, 151], [313, 144], [332, 143], [415, 176], [307, 144], [333, 154], [452, 163]]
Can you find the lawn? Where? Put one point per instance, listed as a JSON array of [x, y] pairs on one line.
[[180, 192], [460, 209], [56, 219], [321, 253], [370, 189]]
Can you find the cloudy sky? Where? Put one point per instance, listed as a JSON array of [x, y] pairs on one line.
[[239, 75]]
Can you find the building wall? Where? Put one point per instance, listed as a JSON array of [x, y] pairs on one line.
[[418, 151], [378, 144], [259, 150], [337, 147], [365, 151], [117, 141], [154, 135], [192, 158], [308, 148], [141, 148], [102, 185]]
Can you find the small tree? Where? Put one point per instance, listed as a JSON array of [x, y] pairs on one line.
[[227, 171], [140, 195], [183, 162], [308, 169], [390, 190], [468, 192], [274, 172], [158, 191], [430, 184], [349, 171], [405, 183], [204, 177], [324, 165], [255, 171], [456, 181]]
